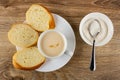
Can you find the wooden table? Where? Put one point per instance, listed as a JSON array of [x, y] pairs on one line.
[[107, 57]]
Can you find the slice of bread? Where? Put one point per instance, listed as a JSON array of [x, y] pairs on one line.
[[39, 18], [28, 59], [22, 35]]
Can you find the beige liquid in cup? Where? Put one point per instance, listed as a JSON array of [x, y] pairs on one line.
[[52, 44]]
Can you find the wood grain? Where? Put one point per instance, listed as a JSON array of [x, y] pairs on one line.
[[108, 56]]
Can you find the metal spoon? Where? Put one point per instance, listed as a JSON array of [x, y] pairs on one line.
[[93, 33]]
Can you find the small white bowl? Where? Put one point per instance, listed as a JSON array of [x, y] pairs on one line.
[[40, 48], [106, 20]]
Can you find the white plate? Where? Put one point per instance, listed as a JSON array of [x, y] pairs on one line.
[[108, 22], [53, 64]]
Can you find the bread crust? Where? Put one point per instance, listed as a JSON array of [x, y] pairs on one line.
[[51, 22], [13, 25], [17, 66]]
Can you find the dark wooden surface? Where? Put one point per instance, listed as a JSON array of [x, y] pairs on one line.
[[108, 56]]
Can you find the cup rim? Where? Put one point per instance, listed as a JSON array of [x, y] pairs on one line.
[[40, 39]]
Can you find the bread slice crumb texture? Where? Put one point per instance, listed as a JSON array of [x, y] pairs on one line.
[[39, 18], [28, 58], [22, 35]]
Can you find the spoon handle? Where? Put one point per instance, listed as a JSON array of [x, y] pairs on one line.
[[93, 63]]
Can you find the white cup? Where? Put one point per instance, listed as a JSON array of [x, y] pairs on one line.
[[40, 47]]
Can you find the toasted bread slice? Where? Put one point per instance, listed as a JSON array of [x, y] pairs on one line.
[[28, 59], [22, 35], [39, 18]]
